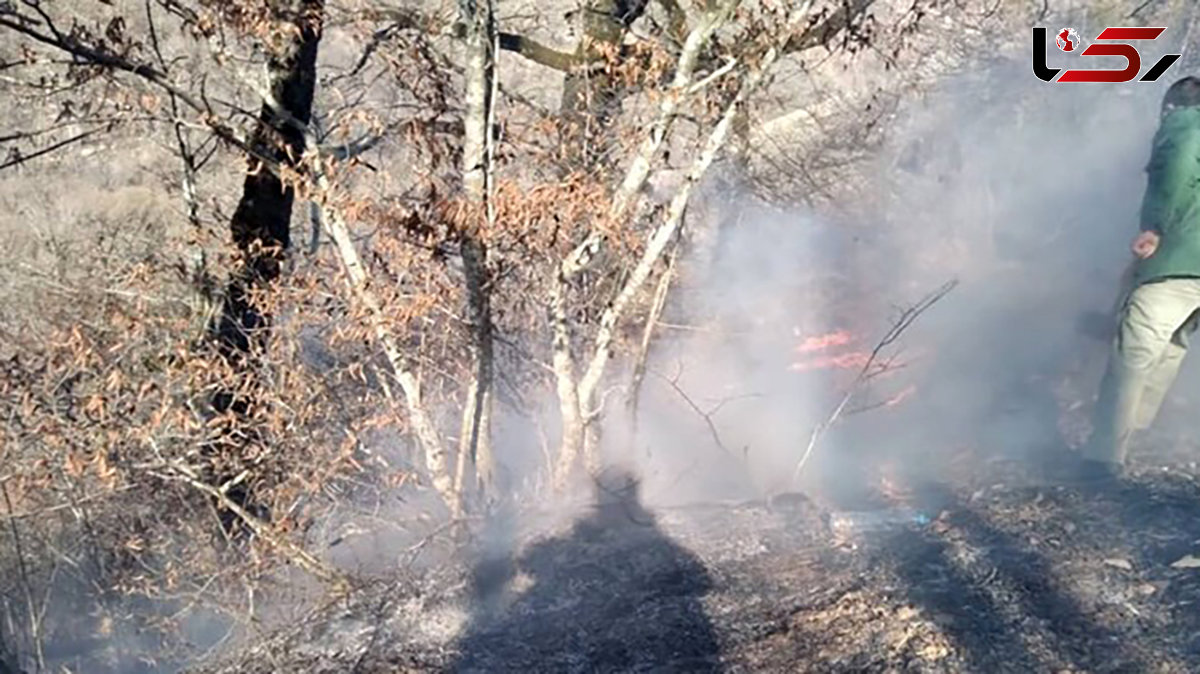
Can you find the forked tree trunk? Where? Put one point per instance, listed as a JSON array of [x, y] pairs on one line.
[[663, 235], [576, 396]]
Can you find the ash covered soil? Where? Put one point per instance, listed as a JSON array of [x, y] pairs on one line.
[[1007, 576]]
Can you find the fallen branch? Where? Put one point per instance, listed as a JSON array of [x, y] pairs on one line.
[[303, 559]]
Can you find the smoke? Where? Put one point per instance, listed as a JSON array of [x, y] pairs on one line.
[[1025, 193]]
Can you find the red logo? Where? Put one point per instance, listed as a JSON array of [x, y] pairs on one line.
[[1108, 43], [1067, 39]]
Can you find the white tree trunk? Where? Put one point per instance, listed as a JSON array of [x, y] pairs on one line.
[[422, 425], [659, 240], [574, 417], [476, 168], [668, 109], [563, 362]]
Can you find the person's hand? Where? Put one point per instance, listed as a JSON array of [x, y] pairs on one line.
[[1145, 244]]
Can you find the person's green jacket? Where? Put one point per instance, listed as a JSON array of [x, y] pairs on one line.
[[1171, 205]]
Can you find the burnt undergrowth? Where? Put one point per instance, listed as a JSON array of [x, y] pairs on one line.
[[1008, 576]]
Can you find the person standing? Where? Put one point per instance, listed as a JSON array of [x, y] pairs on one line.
[[1161, 308]]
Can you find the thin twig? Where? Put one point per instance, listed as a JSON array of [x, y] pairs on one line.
[[1137, 10], [19, 159], [414, 550], [40, 512], [905, 320], [706, 416]]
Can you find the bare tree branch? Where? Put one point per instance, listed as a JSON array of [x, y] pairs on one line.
[[823, 30], [706, 415], [18, 158], [100, 57], [902, 323], [407, 18], [540, 53]]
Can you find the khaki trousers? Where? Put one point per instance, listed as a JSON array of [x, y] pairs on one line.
[[1152, 339]]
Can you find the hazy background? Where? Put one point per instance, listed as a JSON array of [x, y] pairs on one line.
[[1026, 193]]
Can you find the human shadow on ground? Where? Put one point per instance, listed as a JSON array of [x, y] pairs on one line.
[[1000, 600], [613, 594]]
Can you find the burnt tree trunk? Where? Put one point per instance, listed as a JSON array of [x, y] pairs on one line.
[[261, 225]]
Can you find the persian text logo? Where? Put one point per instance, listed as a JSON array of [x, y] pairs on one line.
[[1108, 43]]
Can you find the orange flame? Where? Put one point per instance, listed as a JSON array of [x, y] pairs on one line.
[[825, 359], [845, 361], [822, 342]]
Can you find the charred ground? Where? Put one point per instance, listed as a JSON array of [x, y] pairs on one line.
[[1009, 576]]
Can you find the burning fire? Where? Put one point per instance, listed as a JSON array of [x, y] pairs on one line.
[[822, 342], [847, 361], [838, 350], [819, 352], [824, 352], [842, 350]]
